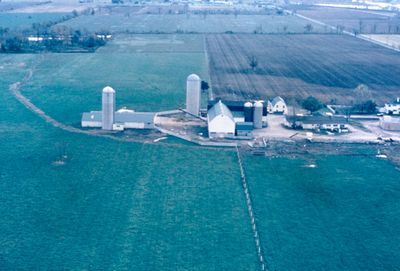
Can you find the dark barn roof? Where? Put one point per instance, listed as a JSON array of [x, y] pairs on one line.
[[234, 105]]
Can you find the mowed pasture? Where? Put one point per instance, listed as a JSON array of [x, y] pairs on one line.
[[191, 23], [328, 67], [360, 21]]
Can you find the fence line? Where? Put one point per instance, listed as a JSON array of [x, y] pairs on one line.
[[256, 236]]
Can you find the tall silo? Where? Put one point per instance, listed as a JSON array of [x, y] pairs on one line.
[[193, 93], [108, 108], [248, 112], [258, 114]]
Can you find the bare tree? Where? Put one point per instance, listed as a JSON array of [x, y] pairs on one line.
[[339, 29], [360, 26], [308, 28], [362, 93], [374, 28], [253, 62]]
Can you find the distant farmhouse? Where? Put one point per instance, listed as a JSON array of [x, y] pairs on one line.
[[319, 123], [277, 105]]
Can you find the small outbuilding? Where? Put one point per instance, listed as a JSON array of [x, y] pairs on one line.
[[244, 129], [221, 123]]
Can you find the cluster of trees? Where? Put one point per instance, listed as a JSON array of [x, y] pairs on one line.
[[363, 103], [48, 37], [312, 104], [61, 39], [364, 107]]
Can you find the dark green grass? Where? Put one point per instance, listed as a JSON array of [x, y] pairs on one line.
[[342, 215], [114, 205]]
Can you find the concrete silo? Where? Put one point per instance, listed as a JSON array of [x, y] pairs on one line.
[[193, 93], [108, 108], [258, 114], [248, 112]]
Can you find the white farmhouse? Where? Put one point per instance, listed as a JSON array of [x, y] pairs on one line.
[[221, 123], [393, 108], [277, 105]]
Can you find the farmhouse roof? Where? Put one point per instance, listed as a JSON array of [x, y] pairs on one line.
[[219, 109], [316, 119], [121, 116], [276, 100]]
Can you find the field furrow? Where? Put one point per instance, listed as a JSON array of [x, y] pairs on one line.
[[328, 67]]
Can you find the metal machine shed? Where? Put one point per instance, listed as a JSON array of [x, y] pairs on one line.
[[125, 118]]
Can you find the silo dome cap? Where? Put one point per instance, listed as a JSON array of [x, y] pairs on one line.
[[108, 89], [258, 104], [193, 77]]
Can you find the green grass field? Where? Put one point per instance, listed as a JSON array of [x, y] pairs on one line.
[[342, 215], [130, 206], [169, 23], [25, 20], [114, 205], [148, 72]]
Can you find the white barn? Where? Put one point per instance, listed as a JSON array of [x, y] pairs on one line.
[[221, 123], [277, 105]]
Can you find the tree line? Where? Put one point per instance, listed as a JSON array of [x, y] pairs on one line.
[[47, 36]]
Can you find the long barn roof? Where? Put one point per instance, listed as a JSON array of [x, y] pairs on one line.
[[121, 117], [219, 109]]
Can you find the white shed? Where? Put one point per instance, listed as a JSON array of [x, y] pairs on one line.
[[221, 123]]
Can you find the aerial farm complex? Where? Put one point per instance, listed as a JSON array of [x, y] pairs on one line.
[[234, 121], [195, 135]]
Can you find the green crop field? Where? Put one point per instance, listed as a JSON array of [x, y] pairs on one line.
[[169, 23]]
